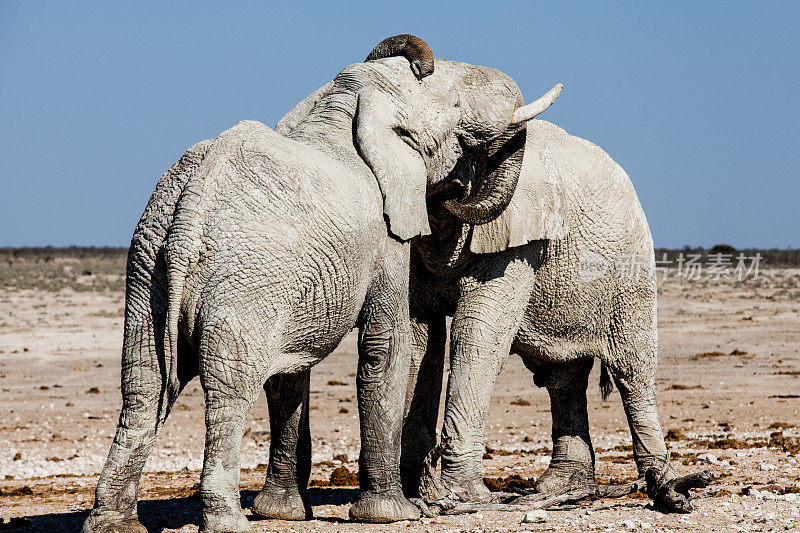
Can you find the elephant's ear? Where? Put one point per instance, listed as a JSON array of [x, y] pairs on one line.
[[399, 168], [538, 209]]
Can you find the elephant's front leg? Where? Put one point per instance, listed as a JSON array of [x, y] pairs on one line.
[[384, 345], [283, 495], [485, 323]]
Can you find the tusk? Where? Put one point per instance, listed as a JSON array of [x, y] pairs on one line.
[[527, 112]]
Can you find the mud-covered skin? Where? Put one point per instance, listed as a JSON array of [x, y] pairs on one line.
[[261, 249], [558, 303]]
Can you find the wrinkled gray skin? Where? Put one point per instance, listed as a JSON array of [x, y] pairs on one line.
[[569, 292], [259, 251]]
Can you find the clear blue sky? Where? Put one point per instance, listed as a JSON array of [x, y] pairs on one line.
[[698, 101]]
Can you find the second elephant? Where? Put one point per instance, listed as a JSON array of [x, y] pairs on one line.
[[564, 276]]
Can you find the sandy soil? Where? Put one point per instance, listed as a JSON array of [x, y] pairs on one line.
[[738, 415]]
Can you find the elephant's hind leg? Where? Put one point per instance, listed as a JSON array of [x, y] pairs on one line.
[[283, 495], [146, 402], [572, 446], [632, 363], [422, 399], [231, 383]]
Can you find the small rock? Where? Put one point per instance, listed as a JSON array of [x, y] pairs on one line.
[[533, 517], [628, 524], [645, 525], [766, 467], [708, 458]]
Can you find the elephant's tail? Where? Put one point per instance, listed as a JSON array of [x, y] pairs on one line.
[[181, 255], [176, 281], [606, 385]]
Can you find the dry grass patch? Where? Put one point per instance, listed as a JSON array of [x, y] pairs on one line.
[[716, 353], [678, 386]]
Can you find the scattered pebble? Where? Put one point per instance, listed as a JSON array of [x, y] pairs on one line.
[[708, 458], [533, 517]]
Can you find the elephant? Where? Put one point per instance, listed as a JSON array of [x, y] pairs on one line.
[[261, 249], [564, 275]]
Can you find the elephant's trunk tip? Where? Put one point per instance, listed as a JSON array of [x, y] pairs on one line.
[[417, 51]]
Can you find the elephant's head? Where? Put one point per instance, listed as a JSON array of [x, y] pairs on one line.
[[441, 133]]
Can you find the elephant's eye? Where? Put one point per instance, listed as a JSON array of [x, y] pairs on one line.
[[404, 134]]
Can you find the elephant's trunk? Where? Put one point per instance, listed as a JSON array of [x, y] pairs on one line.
[[500, 180], [413, 48]]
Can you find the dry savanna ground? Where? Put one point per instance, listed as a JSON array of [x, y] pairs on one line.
[[728, 390]]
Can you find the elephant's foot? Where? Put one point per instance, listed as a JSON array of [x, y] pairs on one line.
[[670, 492], [111, 522], [459, 489], [382, 507], [281, 503], [230, 522], [471, 489], [561, 474]]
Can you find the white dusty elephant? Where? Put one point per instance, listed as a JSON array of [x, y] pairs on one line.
[[565, 275], [259, 251]]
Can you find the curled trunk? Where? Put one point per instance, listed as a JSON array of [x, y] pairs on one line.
[[413, 48], [500, 177]]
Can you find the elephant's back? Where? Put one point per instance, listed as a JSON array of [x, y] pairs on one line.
[[604, 262], [287, 239], [604, 212], [279, 178]]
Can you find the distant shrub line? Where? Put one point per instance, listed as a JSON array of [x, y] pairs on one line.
[[76, 252], [771, 258]]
